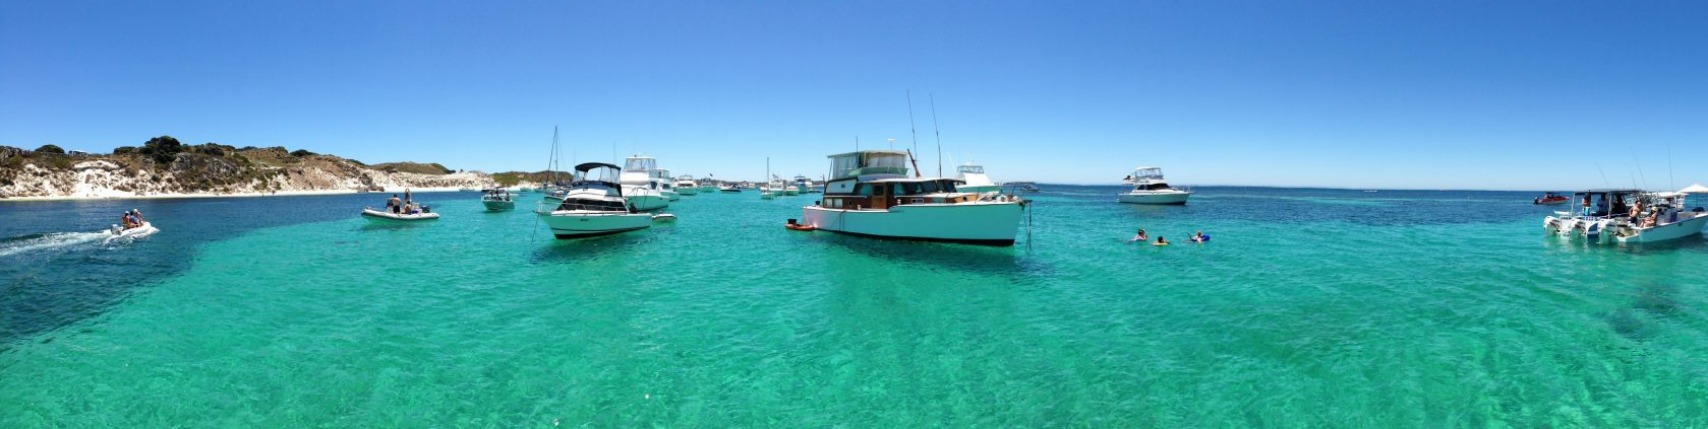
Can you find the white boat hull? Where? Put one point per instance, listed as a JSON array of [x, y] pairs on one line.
[[687, 190], [645, 199], [1616, 231], [566, 224], [385, 217], [987, 223], [1155, 197]]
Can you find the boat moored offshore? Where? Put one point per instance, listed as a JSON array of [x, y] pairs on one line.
[[974, 180], [594, 206], [870, 194], [685, 185], [639, 186], [498, 199], [1150, 188]]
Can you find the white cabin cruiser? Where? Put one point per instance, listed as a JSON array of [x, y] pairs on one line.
[[638, 184], [869, 193], [666, 186], [595, 206], [974, 180], [685, 185], [1150, 188], [1627, 216]]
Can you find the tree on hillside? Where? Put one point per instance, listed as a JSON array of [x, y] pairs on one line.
[[48, 148], [124, 150], [302, 153], [163, 149]]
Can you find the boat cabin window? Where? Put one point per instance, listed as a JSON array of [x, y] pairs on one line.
[[863, 190]]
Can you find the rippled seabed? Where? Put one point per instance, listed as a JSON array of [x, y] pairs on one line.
[[1309, 308]]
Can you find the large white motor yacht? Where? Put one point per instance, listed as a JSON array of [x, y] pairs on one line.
[[638, 184], [869, 193], [594, 206], [1150, 188], [1626, 216]]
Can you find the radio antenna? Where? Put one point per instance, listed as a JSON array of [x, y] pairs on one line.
[[938, 132]]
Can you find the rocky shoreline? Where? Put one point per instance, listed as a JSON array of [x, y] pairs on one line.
[[210, 170]]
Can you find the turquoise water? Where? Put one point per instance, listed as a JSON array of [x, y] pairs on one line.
[[1309, 308]]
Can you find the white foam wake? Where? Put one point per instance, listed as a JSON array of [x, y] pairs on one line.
[[49, 241]]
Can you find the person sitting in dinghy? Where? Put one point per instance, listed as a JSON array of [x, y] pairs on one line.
[[136, 215], [124, 220]]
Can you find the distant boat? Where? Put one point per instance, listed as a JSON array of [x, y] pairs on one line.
[[667, 187], [729, 188], [1550, 199], [870, 194], [594, 206], [974, 180], [497, 200], [685, 185], [1150, 188]]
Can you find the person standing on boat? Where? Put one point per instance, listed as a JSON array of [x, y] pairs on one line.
[[394, 205]]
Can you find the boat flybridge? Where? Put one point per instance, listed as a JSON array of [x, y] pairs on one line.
[[869, 193], [638, 184], [1627, 216], [594, 206], [1150, 188], [974, 180]]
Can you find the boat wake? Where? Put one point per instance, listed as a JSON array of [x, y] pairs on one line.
[[50, 241]]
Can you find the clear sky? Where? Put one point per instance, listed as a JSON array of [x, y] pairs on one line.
[[1357, 94]]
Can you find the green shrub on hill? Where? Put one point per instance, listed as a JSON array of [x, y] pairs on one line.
[[48, 148]]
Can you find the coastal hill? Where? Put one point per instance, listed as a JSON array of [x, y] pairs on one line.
[[164, 167]]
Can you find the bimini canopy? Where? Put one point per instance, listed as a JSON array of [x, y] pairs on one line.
[[1694, 189], [607, 173]]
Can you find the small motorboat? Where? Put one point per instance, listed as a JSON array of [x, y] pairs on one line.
[[122, 234], [497, 200], [1550, 198], [385, 217], [663, 217]]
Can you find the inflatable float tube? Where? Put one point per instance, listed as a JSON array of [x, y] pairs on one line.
[[794, 226]]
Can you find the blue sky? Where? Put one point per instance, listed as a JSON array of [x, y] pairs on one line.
[[1425, 95]]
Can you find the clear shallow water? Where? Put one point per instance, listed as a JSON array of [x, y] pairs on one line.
[[1309, 308]]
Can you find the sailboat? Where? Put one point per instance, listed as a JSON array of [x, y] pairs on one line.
[[553, 188], [766, 192]]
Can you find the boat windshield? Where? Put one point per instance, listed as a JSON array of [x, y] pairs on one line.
[[640, 164], [602, 174], [869, 162], [970, 168]]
